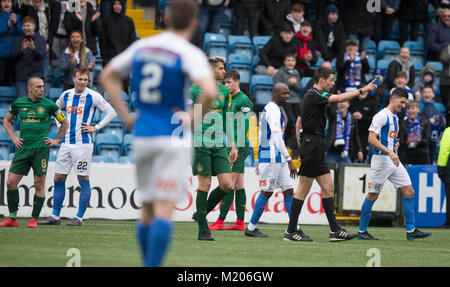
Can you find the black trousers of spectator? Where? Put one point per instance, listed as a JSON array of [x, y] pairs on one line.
[[414, 32], [445, 99], [6, 72], [383, 26], [416, 159], [251, 13]]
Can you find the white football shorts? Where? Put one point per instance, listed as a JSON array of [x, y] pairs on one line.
[[273, 175], [381, 169], [162, 168], [77, 156]]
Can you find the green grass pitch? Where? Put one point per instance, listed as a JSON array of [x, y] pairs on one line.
[[113, 243]]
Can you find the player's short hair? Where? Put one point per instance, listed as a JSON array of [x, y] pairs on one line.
[[28, 19], [81, 71], [233, 74], [320, 73], [401, 74], [298, 7], [30, 81], [399, 93], [214, 60], [181, 13], [411, 104]]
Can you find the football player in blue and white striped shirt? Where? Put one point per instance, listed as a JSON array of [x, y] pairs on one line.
[[385, 165], [77, 146]]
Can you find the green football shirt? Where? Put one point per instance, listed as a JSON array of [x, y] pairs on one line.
[[211, 131], [34, 120], [238, 112]]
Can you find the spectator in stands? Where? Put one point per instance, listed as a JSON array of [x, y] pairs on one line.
[[272, 54], [246, 10], [342, 142], [210, 17], [323, 4], [363, 108], [351, 67], [290, 76], [325, 64], [59, 35], [76, 55], [440, 5], [438, 35], [296, 17], [307, 52], [414, 135], [106, 6], [273, 15], [330, 34], [27, 52], [385, 19], [412, 13], [40, 12], [10, 28], [438, 123], [401, 82], [87, 21], [118, 32], [428, 75], [358, 21], [401, 63], [381, 94], [444, 83]]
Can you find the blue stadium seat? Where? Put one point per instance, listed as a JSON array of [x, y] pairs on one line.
[[249, 160], [125, 97], [418, 66], [417, 51], [255, 62], [5, 141], [384, 64], [55, 93], [126, 159], [4, 152], [438, 66], [260, 82], [238, 44], [388, 49], [227, 23], [3, 112], [215, 45], [263, 96], [242, 64], [127, 143], [8, 94], [53, 154], [319, 62], [259, 42], [436, 87], [10, 156], [118, 131], [109, 145], [103, 159], [304, 81]]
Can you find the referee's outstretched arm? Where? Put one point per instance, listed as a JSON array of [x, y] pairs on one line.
[[338, 98]]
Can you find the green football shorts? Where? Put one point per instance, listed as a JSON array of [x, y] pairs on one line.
[[210, 161], [24, 159]]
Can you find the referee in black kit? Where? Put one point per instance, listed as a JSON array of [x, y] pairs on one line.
[[312, 154]]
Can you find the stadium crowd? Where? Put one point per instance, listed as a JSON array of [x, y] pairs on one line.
[[44, 39]]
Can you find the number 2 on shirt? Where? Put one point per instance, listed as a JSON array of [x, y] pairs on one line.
[[152, 76]]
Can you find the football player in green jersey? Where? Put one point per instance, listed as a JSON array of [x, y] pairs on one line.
[[239, 111], [33, 146], [211, 156]]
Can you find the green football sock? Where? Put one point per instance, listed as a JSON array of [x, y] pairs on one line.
[[226, 203], [201, 202], [240, 204], [13, 202], [38, 202], [214, 198]]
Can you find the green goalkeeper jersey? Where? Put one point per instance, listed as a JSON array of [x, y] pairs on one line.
[[34, 120], [210, 133], [239, 109]]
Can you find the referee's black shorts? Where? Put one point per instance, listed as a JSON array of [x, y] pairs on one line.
[[312, 154]]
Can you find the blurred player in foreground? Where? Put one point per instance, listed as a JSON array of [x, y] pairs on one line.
[[385, 165], [163, 67], [76, 148]]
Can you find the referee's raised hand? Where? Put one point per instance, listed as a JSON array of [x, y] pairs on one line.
[[370, 87]]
